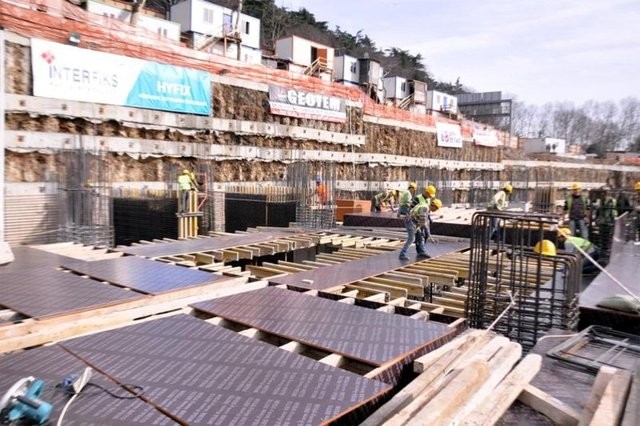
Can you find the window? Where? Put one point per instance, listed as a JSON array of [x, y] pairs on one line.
[[162, 32], [353, 67], [246, 27], [208, 16], [227, 23], [403, 86]]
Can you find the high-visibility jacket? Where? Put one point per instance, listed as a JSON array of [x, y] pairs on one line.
[[421, 199], [568, 207], [184, 182], [607, 212], [420, 215], [384, 197], [499, 200], [581, 243]]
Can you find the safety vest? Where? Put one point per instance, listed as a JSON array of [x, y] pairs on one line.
[[607, 212], [423, 200], [499, 201], [405, 198], [420, 213], [184, 182], [569, 202], [581, 243]]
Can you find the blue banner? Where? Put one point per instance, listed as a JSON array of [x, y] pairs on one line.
[[170, 88]]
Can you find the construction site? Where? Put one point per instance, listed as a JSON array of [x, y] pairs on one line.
[[203, 248]]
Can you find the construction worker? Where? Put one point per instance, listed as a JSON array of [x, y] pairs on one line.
[[185, 184], [321, 191], [546, 248], [606, 214], [383, 199], [576, 206], [579, 245], [419, 220], [425, 197], [498, 203], [404, 211]]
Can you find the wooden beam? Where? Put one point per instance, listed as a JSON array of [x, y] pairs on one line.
[[559, 412], [604, 376], [611, 407], [493, 407], [632, 410]]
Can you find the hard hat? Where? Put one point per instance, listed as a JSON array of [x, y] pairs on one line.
[[545, 247], [508, 188], [185, 172], [637, 186], [436, 202], [318, 179], [431, 190], [563, 232], [413, 185], [575, 186]]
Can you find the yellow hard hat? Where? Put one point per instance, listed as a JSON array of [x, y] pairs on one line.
[[185, 172], [545, 247], [436, 202], [563, 232], [575, 186], [413, 185], [431, 190], [508, 188], [637, 186]]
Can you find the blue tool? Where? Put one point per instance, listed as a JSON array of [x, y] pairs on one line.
[[21, 402]]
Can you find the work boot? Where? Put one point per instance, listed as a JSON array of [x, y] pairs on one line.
[[423, 256], [404, 257]]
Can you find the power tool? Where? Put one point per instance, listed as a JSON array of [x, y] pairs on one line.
[[22, 402]]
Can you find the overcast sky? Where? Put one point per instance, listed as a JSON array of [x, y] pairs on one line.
[[536, 50]]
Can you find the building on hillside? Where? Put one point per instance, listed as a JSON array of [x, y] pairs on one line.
[[395, 89], [488, 107], [346, 70], [216, 29], [406, 94], [443, 104], [307, 57], [371, 78], [147, 19], [540, 145]]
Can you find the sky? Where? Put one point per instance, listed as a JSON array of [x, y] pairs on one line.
[[535, 51]]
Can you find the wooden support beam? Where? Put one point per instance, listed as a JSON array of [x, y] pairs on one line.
[[632, 410], [393, 291], [293, 346], [416, 290], [442, 407], [494, 406], [605, 373], [611, 406], [253, 333], [559, 412], [333, 360]]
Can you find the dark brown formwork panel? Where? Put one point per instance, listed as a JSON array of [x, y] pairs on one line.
[[46, 291], [359, 333], [92, 406], [202, 373], [204, 244], [148, 276], [349, 272], [28, 257]]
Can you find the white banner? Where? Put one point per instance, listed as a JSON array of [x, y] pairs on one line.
[[485, 137], [68, 72], [448, 135]]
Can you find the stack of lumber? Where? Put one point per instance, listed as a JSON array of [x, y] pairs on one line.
[[472, 380]]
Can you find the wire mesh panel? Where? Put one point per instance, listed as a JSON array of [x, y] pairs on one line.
[[503, 264], [314, 190], [86, 212]]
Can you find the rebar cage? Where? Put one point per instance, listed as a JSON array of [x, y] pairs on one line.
[[544, 288]]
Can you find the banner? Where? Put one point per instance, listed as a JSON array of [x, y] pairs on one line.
[[485, 137], [303, 104], [448, 135], [68, 72]]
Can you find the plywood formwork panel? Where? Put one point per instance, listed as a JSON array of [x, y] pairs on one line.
[[144, 275], [52, 364], [203, 244], [358, 333], [46, 291], [357, 269], [202, 373]]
